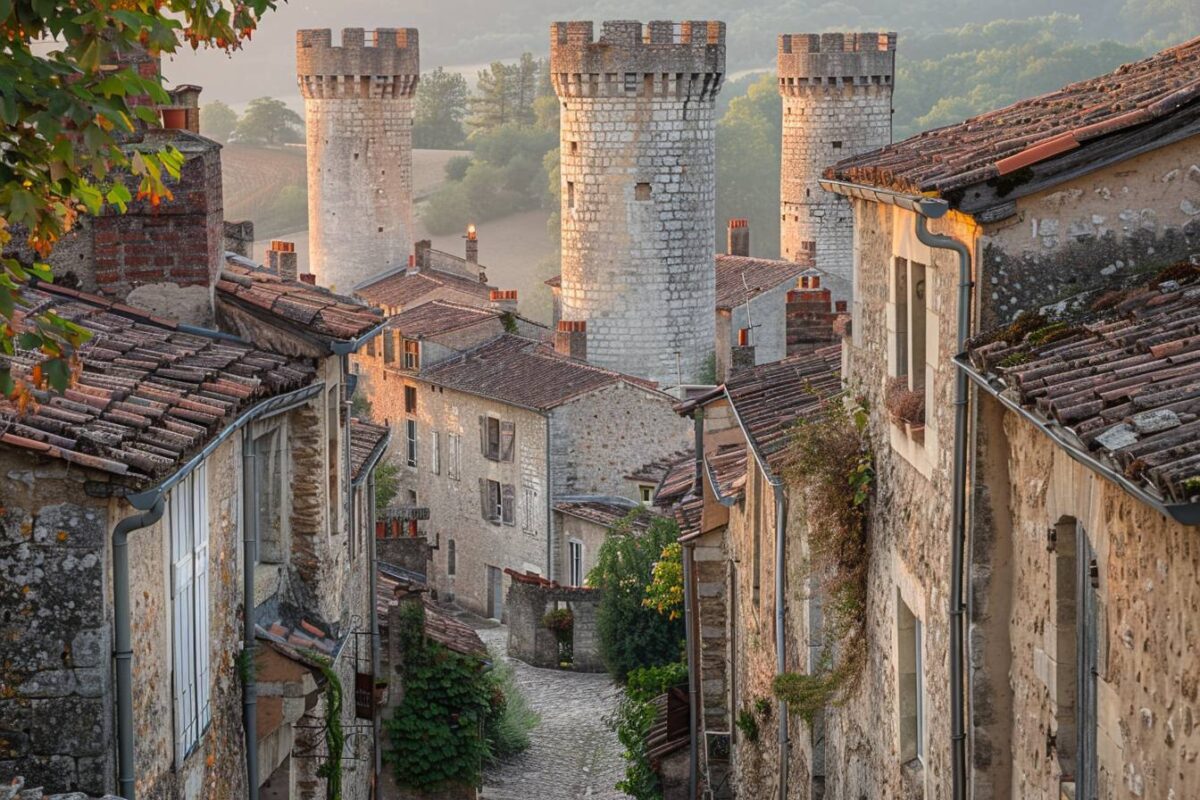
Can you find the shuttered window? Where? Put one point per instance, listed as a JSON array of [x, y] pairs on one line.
[[508, 504], [508, 438], [435, 463], [453, 453], [410, 429], [491, 501], [187, 520], [497, 440]]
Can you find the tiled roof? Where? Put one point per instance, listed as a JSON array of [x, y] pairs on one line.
[[727, 470], [438, 316], [669, 730], [401, 289], [391, 584], [607, 513], [1120, 383], [656, 470], [1033, 130], [524, 373], [760, 275], [555, 282], [295, 630], [533, 579], [149, 395], [365, 438], [312, 308], [676, 482]]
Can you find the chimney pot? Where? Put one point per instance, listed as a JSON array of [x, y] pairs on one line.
[[503, 300], [282, 259], [738, 240], [472, 245], [571, 338], [743, 337]]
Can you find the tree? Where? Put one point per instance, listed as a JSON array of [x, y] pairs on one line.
[[441, 107], [269, 121], [218, 121], [508, 92], [632, 634], [64, 115], [748, 137]]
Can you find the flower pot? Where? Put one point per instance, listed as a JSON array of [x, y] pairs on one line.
[[915, 432], [174, 118]]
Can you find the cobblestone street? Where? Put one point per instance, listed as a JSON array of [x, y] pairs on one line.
[[572, 754]]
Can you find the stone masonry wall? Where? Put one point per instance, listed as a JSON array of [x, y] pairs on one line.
[[837, 103], [358, 101], [638, 191], [534, 643]]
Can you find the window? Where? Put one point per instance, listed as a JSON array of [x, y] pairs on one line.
[[1077, 622], [575, 561], [389, 347], [334, 458], [497, 439], [187, 521], [371, 347], [508, 504], [837, 145], [641, 191], [491, 502], [451, 558], [646, 492], [271, 479], [410, 431], [410, 399], [570, 194], [909, 292], [453, 454], [528, 522], [412, 354], [912, 689], [435, 461]]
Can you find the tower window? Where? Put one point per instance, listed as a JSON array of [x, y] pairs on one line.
[[642, 191], [574, 147], [570, 194], [837, 145]]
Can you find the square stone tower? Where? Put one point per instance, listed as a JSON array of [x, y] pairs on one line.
[[638, 191], [358, 104], [837, 102]]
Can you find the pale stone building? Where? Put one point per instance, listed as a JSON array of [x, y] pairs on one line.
[[638, 180], [429, 275], [837, 103], [1040, 201], [358, 113]]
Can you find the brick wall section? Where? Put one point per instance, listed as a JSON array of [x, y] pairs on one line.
[[358, 103], [638, 199], [810, 314], [837, 102]]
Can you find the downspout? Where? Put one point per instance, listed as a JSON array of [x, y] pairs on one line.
[[780, 638], [693, 637], [123, 640], [958, 735], [376, 665], [249, 559], [549, 506]]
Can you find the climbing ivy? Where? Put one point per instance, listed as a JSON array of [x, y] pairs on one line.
[[335, 739]]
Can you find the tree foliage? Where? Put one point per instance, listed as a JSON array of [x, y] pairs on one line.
[[218, 121], [748, 140], [64, 116], [505, 93], [441, 107], [269, 121], [632, 720], [631, 633]]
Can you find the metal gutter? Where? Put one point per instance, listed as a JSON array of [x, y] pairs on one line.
[[1183, 513], [549, 503], [341, 347], [249, 562], [692, 637], [931, 207]]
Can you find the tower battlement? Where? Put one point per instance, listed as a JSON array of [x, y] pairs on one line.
[[812, 61], [657, 59], [380, 63]]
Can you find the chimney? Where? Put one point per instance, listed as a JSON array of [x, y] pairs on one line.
[[183, 112], [472, 245], [413, 269], [571, 339], [738, 241], [282, 259], [810, 316], [420, 257], [742, 356], [309, 278], [239, 237], [503, 300]]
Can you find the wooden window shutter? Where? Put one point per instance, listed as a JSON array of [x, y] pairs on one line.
[[483, 436], [484, 511], [508, 504], [508, 436]]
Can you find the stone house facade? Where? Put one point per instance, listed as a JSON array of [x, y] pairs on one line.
[[1041, 220], [490, 438]]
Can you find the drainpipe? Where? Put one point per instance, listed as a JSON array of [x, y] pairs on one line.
[[958, 735], [549, 506], [693, 637], [780, 638], [123, 651], [249, 558], [376, 666]]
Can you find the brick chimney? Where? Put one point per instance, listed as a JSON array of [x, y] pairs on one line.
[[282, 259], [742, 355], [810, 316], [472, 245], [738, 240], [183, 112], [503, 300], [571, 339]]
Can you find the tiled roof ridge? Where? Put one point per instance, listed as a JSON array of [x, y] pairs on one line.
[[121, 309]]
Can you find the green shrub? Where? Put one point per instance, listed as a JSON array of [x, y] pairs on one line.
[[507, 729], [747, 724], [632, 720], [456, 168]]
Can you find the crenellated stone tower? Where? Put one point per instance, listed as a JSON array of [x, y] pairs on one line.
[[837, 102], [358, 102], [638, 191]]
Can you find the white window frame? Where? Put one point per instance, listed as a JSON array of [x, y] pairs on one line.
[[412, 357], [410, 437], [575, 561], [646, 493], [187, 532]]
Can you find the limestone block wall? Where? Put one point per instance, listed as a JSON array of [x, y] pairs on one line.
[[837, 102], [638, 184], [532, 642], [358, 102]]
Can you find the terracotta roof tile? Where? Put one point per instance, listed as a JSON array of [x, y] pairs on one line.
[[439, 316], [313, 308], [1123, 382], [401, 289], [656, 470], [148, 397], [365, 437], [392, 583], [607, 513], [760, 275], [999, 142]]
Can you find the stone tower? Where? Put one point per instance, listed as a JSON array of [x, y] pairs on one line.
[[837, 102], [358, 103], [638, 191]]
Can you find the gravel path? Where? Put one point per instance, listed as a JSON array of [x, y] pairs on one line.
[[572, 754]]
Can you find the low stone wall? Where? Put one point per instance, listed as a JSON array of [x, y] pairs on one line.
[[530, 597]]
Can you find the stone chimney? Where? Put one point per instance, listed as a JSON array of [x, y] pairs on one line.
[[239, 237], [472, 245], [282, 259], [571, 339], [503, 300], [420, 256], [810, 316], [742, 355], [738, 241]]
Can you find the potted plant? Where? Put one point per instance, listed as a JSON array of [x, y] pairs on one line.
[[561, 622], [906, 407]]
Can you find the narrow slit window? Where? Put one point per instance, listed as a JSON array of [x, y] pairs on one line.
[[642, 191]]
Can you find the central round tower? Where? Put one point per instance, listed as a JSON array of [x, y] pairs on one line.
[[638, 179], [358, 104], [837, 102]]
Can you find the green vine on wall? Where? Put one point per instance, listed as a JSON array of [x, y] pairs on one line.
[[335, 738], [831, 468]]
